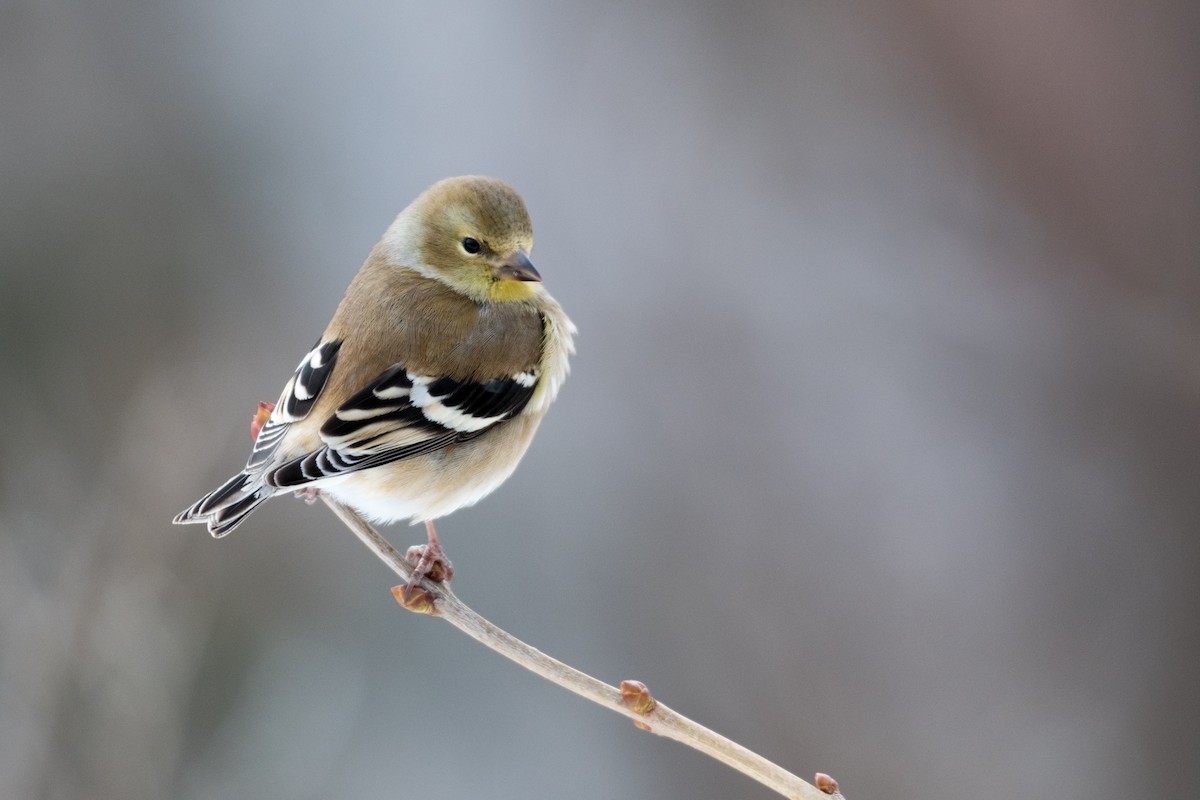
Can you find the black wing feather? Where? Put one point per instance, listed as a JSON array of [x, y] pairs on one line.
[[400, 415]]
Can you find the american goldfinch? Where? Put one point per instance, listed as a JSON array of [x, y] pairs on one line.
[[431, 379]]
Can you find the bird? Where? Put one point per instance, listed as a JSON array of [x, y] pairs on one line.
[[427, 386]]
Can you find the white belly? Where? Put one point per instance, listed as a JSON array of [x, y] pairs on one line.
[[434, 485]]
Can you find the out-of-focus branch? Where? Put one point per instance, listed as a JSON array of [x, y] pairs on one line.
[[632, 700]]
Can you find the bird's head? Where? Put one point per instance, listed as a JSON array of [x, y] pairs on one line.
[[474, 235]]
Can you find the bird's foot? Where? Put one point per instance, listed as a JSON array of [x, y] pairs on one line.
[[308, 494], [428, 561]]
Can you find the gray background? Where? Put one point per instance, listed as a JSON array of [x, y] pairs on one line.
[[880, 454]]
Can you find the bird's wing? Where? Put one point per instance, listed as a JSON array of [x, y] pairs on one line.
[[401, 414]]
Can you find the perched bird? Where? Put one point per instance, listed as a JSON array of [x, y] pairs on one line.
[[429, 382]]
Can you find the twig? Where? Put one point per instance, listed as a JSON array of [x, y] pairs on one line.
[[632, 700]]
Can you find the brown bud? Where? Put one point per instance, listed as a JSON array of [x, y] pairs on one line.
[[637, 698], [825, 783], [260, 418], [439, 571], [414, 599]]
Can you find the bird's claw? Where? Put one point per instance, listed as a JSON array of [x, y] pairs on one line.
[[428, 561]]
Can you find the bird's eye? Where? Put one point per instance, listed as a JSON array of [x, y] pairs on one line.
[[470, 245]]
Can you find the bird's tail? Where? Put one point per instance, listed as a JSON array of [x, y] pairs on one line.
[[224, 508]]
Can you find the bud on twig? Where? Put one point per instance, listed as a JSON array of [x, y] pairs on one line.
[[260, 418], [637, 698], [825, 783], [416, 599]]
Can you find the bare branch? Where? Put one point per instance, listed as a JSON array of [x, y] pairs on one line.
[[632, 700]]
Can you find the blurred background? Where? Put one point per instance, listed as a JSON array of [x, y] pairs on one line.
[[880, 455]]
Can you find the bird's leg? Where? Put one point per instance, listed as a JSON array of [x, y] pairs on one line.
[[428, 560]]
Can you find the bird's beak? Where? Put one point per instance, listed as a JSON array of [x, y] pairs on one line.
[[517, 267]]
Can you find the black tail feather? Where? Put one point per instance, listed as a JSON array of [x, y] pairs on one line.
[[224, 508]]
